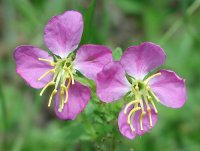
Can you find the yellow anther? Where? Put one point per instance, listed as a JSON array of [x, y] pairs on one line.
[[131, 112], [141, 117], [62, 100], [151, 77], [46, 73], [61, 74], [51, 97], [153, 94], [150, 118], [148, 109], [149, 97], [151, 101], [46, 86], [129, 104], [70, 73], [47, 60], [66, 92]]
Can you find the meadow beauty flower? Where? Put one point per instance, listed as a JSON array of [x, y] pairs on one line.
[[62, 35], [130, 76]]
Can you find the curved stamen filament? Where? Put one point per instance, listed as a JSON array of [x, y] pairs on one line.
[[70, 73], [132, 128], [129, 104], [61, 73], [48, 84], [149, 114], [151, 101], [131, 114], [65, 89], [151, 77], [148, 110], [47, 60], [46, 73], [51, 97], [152, 93], [141, 117], [62, 100]]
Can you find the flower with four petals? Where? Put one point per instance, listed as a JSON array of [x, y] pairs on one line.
[[62, 35], [130, 77]]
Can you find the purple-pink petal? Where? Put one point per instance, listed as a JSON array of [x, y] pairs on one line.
[[169, 88], [125, 129], [90, 59], [79, 95], [63, 33], [139, 60], [29, 67], [112, 83]]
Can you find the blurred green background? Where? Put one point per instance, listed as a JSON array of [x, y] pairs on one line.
[[27, 124]]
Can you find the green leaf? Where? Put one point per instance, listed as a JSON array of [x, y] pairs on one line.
[[129, 6], [85, 81], [26, 9], [88, 19], [117, 53]]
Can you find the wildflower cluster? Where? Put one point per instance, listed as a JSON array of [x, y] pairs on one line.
[[131, 76]]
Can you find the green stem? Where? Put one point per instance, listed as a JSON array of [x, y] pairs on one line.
[[4, 119], [193, 7]]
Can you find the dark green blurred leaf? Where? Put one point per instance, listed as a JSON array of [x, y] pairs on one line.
[[130, 6], [88, 22]]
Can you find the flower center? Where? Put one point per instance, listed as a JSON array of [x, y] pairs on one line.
[[62, 73], [143, 98]]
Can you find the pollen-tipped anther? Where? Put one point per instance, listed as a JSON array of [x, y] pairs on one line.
[[51, 97], [141, 117]]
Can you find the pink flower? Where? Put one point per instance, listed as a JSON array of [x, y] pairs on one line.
[[62, 35], [130, 74]]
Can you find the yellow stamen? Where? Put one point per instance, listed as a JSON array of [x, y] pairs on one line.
[[51, 97], [47, 60], [61, 73], [66, 96], [141, 117], [48, 84], [151, 101], [132, 128], [129, 104], [131, 112], [66, 92], [46, 73], [150, 118], [152, 93], [155, 97], [148, 109], [70, 73], [62, 100], [151, 77], [69, 82]]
